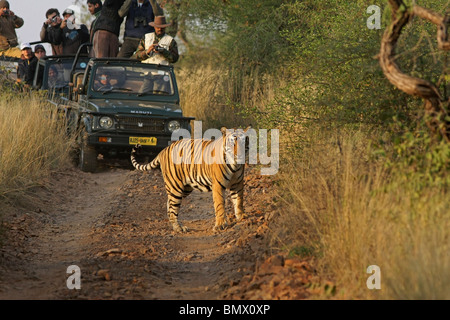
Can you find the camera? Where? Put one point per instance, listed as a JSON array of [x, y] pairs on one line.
[[7, 12], [139, 20], [159, 48], [54, 19]]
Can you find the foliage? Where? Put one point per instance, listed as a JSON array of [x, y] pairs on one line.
[[422, 161], [244, 33]]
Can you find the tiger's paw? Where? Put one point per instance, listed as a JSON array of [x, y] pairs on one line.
[[179, 228], [220, 227], [241, 217]]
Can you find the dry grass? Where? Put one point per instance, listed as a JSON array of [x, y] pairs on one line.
[[352, 213], [217, 96], [32, 142]]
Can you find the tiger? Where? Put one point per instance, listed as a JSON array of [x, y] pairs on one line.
[[221, 168]]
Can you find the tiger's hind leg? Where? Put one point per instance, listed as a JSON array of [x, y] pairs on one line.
[[173, 207]]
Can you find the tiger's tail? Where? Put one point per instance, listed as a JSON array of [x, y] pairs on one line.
[[143, 167]]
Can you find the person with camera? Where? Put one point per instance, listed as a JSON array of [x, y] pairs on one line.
[[51, 29], [158, 47], [71, 35], [9, 22], [138, 15]]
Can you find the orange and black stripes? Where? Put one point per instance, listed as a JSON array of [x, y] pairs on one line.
[[199, 164]]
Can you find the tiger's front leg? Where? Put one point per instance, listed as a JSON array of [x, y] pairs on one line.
[[237, 197], [219, 206]]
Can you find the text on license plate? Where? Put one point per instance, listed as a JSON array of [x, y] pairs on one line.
[[150, 141]]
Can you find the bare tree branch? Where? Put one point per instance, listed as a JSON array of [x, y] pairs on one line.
[[435, 107]]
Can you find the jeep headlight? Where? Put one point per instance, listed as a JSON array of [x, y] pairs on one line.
[[173, 125], [106, 122]]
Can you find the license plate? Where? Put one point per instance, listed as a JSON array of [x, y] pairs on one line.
[[150, 141]]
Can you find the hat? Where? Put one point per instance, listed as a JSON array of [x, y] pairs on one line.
[[160, 22], [68, 11], [25, 45], [39, 46], [4, 4]]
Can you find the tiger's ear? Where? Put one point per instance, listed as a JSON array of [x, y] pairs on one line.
[[223, 130]]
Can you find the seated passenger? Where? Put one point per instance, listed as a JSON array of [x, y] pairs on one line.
[[54, 80], [103, 82]]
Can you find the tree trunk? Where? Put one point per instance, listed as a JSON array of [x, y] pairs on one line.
[[436, 109]]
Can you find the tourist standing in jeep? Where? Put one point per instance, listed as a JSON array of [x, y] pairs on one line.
[[94, 7], [105, 42], [139, 14], [158, 47], [50, 30], [72, 35], [9, 22]]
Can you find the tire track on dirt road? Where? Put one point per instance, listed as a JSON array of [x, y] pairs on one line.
[[63, 213], [113, 225]]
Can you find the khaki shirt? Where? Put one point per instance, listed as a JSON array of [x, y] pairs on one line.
[[8, 36]]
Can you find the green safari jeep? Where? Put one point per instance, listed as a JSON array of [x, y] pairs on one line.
[[116, 103]]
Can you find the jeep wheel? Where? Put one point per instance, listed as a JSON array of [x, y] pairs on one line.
[[87, 157]]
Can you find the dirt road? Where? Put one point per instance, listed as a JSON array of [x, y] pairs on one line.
[[113, 226]]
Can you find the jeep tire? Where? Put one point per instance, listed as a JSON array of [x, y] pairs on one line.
[[87, 161]]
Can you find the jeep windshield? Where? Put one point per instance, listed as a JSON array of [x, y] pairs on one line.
[[139, 79]]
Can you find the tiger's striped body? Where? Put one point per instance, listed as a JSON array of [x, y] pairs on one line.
[[199, 164]]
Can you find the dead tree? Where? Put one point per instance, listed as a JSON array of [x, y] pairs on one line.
[[436, 107]]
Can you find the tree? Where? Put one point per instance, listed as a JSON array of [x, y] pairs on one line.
[[436, 104]]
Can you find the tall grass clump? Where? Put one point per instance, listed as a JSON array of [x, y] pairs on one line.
[[32, 141], [353, 209], [219, 96]]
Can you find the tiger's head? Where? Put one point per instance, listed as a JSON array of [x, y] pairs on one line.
[[236, 145]]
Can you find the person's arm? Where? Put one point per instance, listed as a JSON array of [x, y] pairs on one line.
[[21, 71], [123, 11], [141, 53], [157, 10], [30, 72], [43, 33], [84, 33], [18, 22], [172, 54]]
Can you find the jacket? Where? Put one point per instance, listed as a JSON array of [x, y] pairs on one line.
[[136, 25], [8, 36], [91, 29], [109, 18], [22, 70], [50, 34], [71, 39]]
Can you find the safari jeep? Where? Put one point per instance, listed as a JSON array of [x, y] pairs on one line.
[[116, 103]]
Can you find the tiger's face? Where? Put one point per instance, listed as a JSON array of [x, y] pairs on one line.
[[236, 145]]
